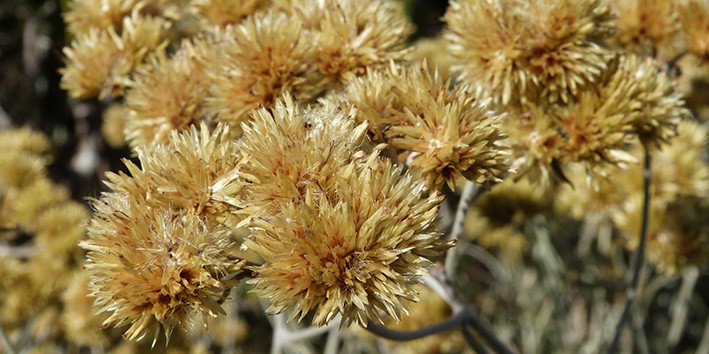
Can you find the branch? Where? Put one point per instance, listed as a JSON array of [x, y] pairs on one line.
[[639, 257], [6, 342], [467, 316], [402, 336], [470, 192]]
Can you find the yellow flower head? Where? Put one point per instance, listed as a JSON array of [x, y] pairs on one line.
[[449, 135], [694, 16], [226, 12], [657, 106], [354, 254], [196, 169], [159, 242], [166, 94], [646, 26], [256, 63], [99, 62], [150, 267], [522, 49], [354, 35], [293, 152]]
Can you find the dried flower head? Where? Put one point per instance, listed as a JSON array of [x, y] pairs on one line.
[[351, 36], [152, 267], [595, 129], [159, 249], [78, 320], [522, 49], [99, 62], [646, 26], [167, 94], [450, 142], [260, 60], [694, 17], [657, 106], [592, 130], [294, 152], [225, 12], [635, 98], [195, 170], [355, 254], [449, 135], [83, 15], [113, 121]]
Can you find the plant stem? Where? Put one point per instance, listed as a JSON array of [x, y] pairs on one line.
[[470, 192], [472, 341], [639, 257], [466, 316], [6, 342], [401, 336], [484, 330]]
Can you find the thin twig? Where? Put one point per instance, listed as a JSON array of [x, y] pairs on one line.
[[283, 336], [332, 342], [703, 347], [486, 332], [466, 316], [470, 192], [401, 336], [639, 257]]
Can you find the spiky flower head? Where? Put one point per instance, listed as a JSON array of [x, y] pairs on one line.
[[355, 254], [159, 242], [353, 35], [448, 135], [257, 62], [595, 130], [83, 15], [100, 61], [694, 17], [294, 152], [167, 94], [196, 170], [657, 105], [450, 142], [153, 268], [646, 26], [524, 49], [635, 98], [225, 12]]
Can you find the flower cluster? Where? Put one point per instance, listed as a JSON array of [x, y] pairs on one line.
[[341, 231], [39, 229]]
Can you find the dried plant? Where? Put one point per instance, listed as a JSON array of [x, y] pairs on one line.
[[311, 164]]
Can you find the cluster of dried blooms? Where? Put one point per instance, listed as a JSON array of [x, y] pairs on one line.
[[42, 284], [224, 145], [301, 145]]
